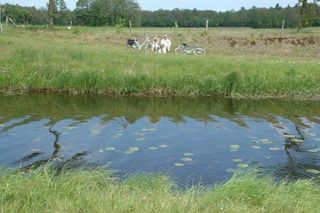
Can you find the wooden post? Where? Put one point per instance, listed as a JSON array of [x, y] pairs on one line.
[[1, 30], [51, 11], [130, 25], [283, 23], [207, 25], [10, 19]]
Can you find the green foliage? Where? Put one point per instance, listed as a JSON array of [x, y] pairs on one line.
[[98, 191], [253, 17], [110, 12], [308, 13], [97, 60], [119, 26], [107, 12]]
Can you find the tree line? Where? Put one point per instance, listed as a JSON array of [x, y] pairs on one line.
[[119, 12]]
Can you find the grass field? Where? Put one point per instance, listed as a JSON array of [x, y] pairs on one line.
[[97, 191], [239, 63]]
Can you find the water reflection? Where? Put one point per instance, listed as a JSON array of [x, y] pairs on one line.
[[56, 107], [153, 134], [55, 159]]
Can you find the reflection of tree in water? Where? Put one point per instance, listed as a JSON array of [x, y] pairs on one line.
[[60, 107], [55, 159], [56, 146], [298, 158]]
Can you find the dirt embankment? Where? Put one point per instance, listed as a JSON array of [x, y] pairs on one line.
[[268, 41]]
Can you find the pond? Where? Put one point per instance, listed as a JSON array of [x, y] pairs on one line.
[[191, 139]]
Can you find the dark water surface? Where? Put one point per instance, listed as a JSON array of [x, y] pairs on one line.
[[191, 139]]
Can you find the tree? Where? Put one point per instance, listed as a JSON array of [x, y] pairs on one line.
[[305, 14], [51, 7], [82, 12], [302, 14], [62, 12], [119, 12], [107, 12]]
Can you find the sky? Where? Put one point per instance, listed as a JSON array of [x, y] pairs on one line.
[[217, 5]]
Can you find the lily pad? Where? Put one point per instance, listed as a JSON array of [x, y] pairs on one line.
[[117, 135], [274, 149], [140, 134], [179, 164], [289, 136], [185, 159], [131, 150], [234, 148], [149, 130], [163, 146], [314, 150], [313, 171], [95, 132], [297, 140], [265, 141], [243, 165], [256, 147], [230, 170], [187, 154], [110, 149], [70, 127], [36, 139], [237, 160], [153, 148]]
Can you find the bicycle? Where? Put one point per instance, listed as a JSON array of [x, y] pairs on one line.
[[135, 43], [184, 49]]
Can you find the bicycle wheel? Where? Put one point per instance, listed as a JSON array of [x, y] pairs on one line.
[[148, 47], [199, 51], [179, 50]]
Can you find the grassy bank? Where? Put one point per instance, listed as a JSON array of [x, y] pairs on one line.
[[97, 60], [98, 191]]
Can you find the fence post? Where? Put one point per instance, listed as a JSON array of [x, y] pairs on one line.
[[130, 25], [283, 23], [1, 29], [207, 25]]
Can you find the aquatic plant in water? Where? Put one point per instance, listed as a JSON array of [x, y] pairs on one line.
[[110, 149], [132, 150], [185, 159], [153, 148], [234, 148], [188, 154]]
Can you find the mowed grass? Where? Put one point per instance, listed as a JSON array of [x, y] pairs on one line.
[[42, 190], [97, 60]]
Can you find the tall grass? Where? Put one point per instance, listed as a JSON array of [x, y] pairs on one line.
[[85, 63], [97, 191]]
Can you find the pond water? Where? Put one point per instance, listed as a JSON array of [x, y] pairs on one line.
[[190, 139]]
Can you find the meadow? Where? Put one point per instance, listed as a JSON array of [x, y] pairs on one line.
[[240, 62]]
